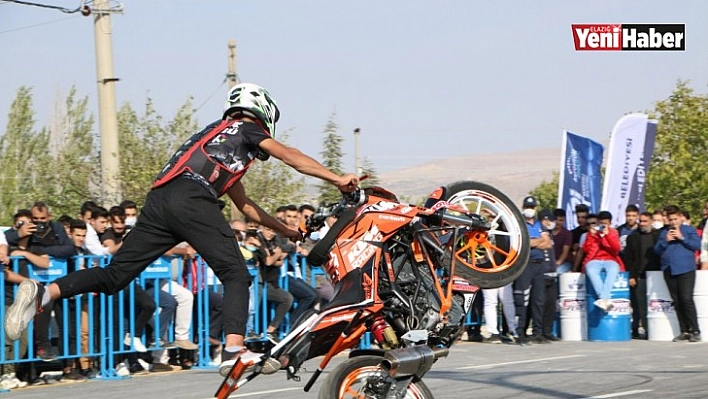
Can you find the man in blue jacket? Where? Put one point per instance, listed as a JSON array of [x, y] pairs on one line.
[[677, 246]]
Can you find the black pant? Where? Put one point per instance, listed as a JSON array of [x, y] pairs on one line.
[[681, 290], [549, 308], [182, 210], [638, 297], [530, 288]]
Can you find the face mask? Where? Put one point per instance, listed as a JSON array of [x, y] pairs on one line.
[[528, 213], [657, 225], [251, 248], [130, 221], [551, 225]]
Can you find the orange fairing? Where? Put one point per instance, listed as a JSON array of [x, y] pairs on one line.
[[375, 223], [437, 193]]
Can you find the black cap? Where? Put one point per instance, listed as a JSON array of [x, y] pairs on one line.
[[546, 214], [529, 202]]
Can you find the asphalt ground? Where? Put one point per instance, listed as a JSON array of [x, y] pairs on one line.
[[632, 369]]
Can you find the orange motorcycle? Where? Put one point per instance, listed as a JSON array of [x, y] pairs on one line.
[[408, 275]]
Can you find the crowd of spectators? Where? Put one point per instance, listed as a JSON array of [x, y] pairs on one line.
[[664, 240]]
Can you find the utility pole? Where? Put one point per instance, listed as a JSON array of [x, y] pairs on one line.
[[108, 122], [231, 78], [357, 165]]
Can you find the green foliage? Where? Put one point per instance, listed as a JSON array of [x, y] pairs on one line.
[[22, 150], [367, 168], [273, 183], [546, 193], [332, 159], [679, 167], [146, 143]]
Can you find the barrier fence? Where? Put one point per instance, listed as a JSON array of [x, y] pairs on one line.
[[95, 325]]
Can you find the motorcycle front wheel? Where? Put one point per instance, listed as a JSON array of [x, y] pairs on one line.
[[349, 379], [496, 257]]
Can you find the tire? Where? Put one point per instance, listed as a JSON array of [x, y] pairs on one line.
[[507, 251], [352, 373]]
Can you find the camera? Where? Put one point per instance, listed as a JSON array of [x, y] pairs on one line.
[[41, 228], [600, 227]]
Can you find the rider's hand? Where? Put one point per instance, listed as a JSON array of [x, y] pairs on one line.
[[293, 234], [347, 183]]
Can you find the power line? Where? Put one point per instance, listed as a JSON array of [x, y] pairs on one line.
[[36, 25], [62, 9], [210, 96]]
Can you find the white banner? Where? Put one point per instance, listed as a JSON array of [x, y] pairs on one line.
[[625, 158]]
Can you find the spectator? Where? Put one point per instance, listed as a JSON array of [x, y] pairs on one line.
[[131, 213], [591, 220], [270, 261], [112, 238], [492, 296], [581, 215], [562, 242], [631, 217], [550, 276], [95, 227], [531, 283], [77, 235], [42, 236], [676, 247], [85, 211], [601, 250], [639, 257]]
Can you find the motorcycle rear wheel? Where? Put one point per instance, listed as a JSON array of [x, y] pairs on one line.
[[348, 380], [498, 257]]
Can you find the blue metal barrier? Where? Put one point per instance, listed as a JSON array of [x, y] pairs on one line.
[[109, 320]]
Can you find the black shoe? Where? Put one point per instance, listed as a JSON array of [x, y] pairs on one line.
[[683, 337], [477, 337], [89, 373], [540, 339], [46, 353], [551, 337], [73, 376], [523, 340], [695, 337]]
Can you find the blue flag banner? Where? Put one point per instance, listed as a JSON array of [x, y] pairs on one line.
[[580, 180]]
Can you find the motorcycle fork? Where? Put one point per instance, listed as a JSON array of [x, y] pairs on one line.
[[349, 336]]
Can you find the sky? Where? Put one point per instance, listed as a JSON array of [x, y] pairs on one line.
[[423, 80]]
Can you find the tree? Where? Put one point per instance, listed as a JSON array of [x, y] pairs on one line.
[[332, 159], [546, 193], [21, 148], [75, 165], [146, 144], [367, 168], [678, 168]]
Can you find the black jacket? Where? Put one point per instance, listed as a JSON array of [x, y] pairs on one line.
[[639, 253]]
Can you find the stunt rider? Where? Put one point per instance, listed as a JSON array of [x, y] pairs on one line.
[[183, 206]]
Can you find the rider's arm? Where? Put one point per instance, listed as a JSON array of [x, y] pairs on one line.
[[255, 212], [307, 165], [298, 161]]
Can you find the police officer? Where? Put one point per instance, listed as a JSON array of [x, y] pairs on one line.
[[530, 286]]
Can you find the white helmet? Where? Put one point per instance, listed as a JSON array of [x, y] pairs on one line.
[[254, 101]]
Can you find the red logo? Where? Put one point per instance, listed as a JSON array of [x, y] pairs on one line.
[[629, 37]]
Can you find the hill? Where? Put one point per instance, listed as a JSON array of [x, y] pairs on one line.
[[514, 173]]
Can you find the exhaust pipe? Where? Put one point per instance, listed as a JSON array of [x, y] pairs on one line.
[[416, 360]]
